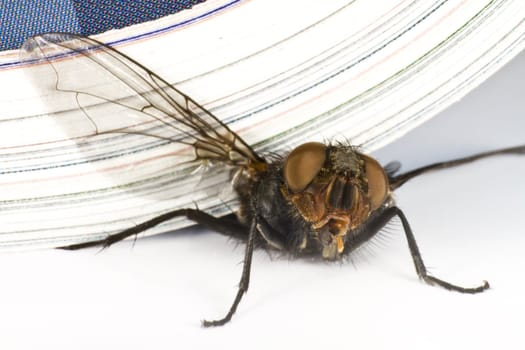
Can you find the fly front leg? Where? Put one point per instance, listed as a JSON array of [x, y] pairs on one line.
[[418, 260], [222, 225], [377, 221], [244, 282]]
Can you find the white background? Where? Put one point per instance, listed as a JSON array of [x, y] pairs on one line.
[[153, 294]]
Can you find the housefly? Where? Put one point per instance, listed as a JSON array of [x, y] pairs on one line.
[[319, 200]]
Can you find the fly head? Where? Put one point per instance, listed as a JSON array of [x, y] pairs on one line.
[[334, 189]]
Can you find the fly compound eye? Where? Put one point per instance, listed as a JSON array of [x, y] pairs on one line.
[[377, 182], [303, 164]]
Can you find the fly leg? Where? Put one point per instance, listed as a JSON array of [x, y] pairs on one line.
[[245, 279], [399, 180], [222, 225], [378, 220], [420, 266]]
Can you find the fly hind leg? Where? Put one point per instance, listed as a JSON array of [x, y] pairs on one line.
[[399, 180], [222, 225]]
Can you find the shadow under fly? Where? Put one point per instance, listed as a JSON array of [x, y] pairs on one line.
[[319, 200]]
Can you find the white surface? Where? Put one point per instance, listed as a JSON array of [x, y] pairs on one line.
[[153, 294]]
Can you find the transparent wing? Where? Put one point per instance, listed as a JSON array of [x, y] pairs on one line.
[[110, 87], [124, 146]]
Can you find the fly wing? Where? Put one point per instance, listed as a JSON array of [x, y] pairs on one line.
[[116, 115], [111, 88]]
